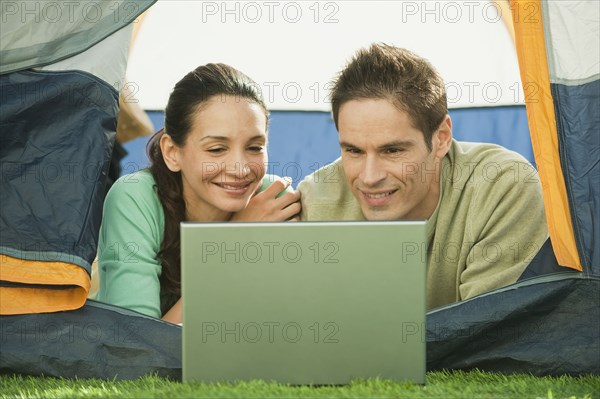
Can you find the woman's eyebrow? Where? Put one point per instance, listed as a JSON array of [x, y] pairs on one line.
[[221, 138], [258, 137]]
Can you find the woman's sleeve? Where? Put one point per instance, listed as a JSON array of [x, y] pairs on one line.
[[130, 238]]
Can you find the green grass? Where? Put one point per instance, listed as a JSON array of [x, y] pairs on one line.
[[474, 384]]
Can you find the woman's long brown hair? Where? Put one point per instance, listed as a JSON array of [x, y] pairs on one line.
[[187, 98]]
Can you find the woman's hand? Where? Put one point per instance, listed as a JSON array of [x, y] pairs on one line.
[[266, 206], [175, 314]]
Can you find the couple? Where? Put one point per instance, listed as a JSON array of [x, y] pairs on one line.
[[399, 161]]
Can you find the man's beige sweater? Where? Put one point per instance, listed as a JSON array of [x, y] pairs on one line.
[[488, 224]]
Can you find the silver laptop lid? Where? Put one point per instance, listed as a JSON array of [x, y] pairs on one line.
[[304, 303]]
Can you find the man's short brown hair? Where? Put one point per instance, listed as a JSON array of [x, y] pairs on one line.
[[395, 74]]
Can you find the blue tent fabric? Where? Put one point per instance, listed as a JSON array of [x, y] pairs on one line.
[[517, 329], [544, 262], [301, 142], [577, 109], [95, 341], [544, 326], [44, 175], [59, 80]]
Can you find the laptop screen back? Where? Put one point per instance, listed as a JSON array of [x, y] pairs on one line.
[[304, 303]]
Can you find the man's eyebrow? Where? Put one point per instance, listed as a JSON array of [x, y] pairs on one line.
[[347, 145], [397, 143]]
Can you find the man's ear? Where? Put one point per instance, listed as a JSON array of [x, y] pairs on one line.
[[442, 138], [170, 153]]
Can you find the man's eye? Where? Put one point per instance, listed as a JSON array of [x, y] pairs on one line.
[[353, 150], [393, 150], [256, 148], [216, 150]]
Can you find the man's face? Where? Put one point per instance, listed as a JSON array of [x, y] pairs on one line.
[[388, 166]]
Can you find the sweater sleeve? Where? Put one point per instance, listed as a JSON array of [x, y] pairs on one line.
[[325, 195], [130, 237], [507, 227]]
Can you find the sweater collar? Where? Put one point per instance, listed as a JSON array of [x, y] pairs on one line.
[[447, 162]]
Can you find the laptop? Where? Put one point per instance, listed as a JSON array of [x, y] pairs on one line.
[[315, 303]]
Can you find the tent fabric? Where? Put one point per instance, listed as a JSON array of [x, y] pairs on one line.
[[41, 286], [544, 262], [94, 341], [41, 33], [524, 328], [300, 142], [58, 124], [574, 69], [107, 60], [533, 62], [572, 32], [312, 41], [577, 110], [45, 175], [543, 326], [57, 134]]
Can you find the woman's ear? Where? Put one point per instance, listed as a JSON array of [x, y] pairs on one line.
[[170, 153], [442, 138]]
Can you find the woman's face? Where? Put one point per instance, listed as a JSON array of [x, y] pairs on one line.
[[223, 159]]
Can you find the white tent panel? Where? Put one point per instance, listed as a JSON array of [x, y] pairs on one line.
[[294, 49], [570, 22], [106, 60]]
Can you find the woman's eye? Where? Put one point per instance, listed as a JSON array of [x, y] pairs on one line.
[[256, 148], [216, 150]]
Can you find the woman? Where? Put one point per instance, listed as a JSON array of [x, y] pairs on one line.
[[208, 164]]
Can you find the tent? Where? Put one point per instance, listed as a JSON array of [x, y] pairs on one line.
[[548, 323], [61, 67]]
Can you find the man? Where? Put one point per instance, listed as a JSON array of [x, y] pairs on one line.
[[483, 204]]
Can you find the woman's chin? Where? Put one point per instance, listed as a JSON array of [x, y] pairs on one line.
[[234, 206]]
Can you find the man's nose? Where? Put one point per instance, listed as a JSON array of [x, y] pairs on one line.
[[373, 171]]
